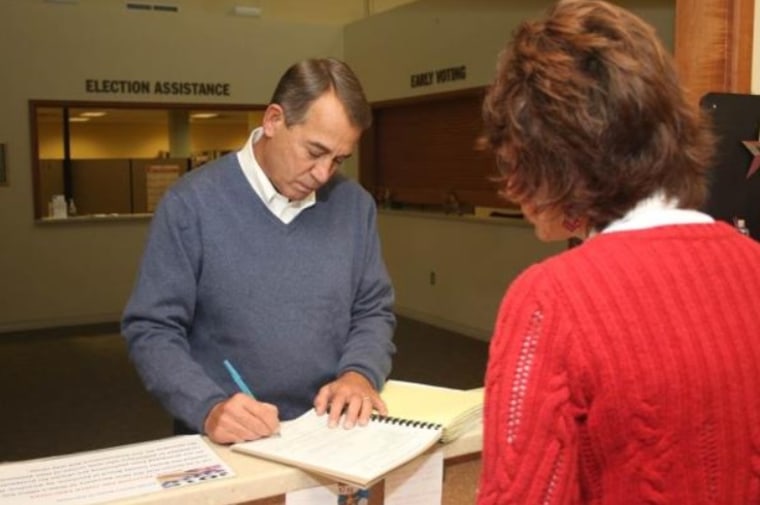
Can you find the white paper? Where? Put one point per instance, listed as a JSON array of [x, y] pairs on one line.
[[324, 495], [109, 474], [419, 482], [365, 452]]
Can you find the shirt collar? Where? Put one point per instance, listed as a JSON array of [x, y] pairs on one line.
[[657, 210], [261, 183]]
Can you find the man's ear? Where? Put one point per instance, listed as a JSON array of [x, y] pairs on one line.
[[274, 118]]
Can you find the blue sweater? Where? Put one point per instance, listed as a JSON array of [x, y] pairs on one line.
[[291, 305]]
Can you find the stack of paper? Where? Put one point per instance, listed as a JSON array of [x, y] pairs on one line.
[[456, 410]]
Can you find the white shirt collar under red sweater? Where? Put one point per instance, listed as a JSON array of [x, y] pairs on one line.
[[656, 210]]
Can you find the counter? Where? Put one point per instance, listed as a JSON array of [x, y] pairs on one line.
[[260, 482]]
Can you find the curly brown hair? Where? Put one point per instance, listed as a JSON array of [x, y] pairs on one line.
[[586, 115]]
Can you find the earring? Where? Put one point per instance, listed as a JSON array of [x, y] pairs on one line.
[[571, 224]]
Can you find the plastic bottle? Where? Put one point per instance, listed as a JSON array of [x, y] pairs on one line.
[[59, 207], [741, 226], [72, 207]]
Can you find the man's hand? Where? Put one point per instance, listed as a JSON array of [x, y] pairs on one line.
[[352, 395], [241, 418]]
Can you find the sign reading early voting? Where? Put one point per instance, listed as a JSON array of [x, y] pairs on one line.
[[439, 76]]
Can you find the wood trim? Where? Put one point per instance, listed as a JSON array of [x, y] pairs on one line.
[[713, 45], [741, 43]]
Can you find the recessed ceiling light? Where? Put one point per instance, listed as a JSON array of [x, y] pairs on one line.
[[246, 10], [78, 119], [204, 115], [93, 114]]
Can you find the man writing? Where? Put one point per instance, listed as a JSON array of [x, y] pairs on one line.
[[269, 259]]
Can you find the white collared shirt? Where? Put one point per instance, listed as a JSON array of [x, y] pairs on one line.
[[285, 210], [656, 210]]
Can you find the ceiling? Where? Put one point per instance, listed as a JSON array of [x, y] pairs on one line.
[[297, 11]]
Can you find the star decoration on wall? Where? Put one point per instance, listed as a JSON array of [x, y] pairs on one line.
[[754, 147]]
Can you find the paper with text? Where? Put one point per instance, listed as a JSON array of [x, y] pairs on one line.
[[109, 474], [357, 456]]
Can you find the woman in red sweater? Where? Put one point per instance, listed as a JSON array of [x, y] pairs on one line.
[[625, 370]]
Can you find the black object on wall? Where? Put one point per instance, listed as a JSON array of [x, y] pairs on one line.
[[736, 118]]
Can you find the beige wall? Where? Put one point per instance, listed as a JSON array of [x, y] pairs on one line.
[[75, 273], [386, 49], [72, 273], [474, 260], [208, 137]]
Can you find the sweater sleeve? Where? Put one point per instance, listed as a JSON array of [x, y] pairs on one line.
[[159, 314], [530, 446], [369, 346]]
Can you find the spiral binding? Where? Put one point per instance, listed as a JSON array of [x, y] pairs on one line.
[[400, 421]]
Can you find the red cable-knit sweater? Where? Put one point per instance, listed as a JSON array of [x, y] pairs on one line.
[[627, 371]]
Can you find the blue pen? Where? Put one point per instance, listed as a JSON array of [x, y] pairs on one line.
[[241, 384], [238, 379]]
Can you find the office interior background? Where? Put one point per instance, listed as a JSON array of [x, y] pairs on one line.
[[449, 271]]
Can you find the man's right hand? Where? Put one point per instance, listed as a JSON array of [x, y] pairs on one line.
[[241, 418]]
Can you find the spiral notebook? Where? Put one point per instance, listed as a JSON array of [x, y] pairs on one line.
[[457, 410], [359, 456]]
